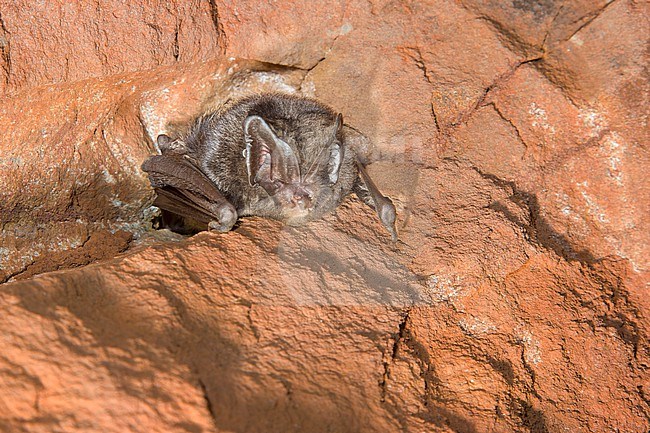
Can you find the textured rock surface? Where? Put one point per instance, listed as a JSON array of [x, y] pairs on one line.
[[58, 41], [72, 166], [512, 136]]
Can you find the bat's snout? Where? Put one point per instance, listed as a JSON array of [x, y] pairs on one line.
[[301, 200]]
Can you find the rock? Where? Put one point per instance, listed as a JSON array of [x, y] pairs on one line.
[[73, 164], [533, 27], [280, 33], [510, 135], [63, 42], [100, 245], [533, 335], [239, 343]]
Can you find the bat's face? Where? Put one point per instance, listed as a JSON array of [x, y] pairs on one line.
[[295, 200], [296, 169]]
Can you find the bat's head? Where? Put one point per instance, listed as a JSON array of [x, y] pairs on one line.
[[296, 161]]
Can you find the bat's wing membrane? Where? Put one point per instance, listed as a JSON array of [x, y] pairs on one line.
[[183, 189]]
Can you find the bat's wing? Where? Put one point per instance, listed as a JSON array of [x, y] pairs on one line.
[[183, 189], [371, 195]]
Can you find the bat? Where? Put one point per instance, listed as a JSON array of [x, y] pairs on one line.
[[271, 155]]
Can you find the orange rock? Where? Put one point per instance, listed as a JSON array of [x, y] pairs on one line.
[[512, 136]]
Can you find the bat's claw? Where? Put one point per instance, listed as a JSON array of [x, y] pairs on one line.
[[393, 233], [227, 219], [387, 216], [222, 228]]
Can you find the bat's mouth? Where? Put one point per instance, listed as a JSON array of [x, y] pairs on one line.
[[295, 200], [300, 200], [298, 209]]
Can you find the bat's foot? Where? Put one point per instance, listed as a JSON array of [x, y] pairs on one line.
[[227, 219], [387, 215]]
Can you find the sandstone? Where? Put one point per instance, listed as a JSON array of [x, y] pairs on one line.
[[52, 42], [279, 32], [512, 137], [73, 165]]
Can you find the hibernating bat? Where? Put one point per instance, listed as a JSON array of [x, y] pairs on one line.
[[271, 155]]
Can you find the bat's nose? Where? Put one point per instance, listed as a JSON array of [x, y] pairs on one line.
[[301, 200]]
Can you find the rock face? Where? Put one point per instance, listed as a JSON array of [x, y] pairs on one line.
[[511, 135]]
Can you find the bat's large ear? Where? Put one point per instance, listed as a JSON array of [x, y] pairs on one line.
[[270, 161], [337, 151]]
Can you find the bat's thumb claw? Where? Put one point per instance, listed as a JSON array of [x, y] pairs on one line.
[[227, 218], [214, 225]]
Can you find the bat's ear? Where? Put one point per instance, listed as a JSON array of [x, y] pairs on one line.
[[270, 161], [337, 151], [163, 141], [166, 144]]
